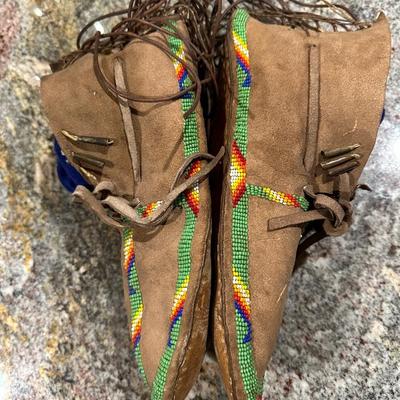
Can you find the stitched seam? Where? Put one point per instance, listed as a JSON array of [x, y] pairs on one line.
[[225, 278]]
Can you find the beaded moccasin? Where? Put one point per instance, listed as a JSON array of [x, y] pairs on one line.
[[131, 145], [303, 112]]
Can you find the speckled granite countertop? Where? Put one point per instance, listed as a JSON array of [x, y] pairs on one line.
[[62, 323]]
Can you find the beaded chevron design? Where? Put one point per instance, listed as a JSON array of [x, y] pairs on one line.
[[240, 193], [190, 202], [240, 204], [238, 174], [193, 196], [147, 210], [135, 295]]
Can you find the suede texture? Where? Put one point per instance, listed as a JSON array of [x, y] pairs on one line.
[[353, 72], [73, 100]]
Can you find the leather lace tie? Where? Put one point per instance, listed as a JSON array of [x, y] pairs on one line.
[[334, 210], [104, 198]]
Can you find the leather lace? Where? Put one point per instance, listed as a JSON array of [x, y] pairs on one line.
[[104, 197], [287, 12], [119, 212], [138, 21], [334, 210]]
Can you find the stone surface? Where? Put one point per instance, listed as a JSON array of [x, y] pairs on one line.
[[62, 323]]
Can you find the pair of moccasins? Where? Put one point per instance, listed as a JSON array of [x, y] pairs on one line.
[[301, 110]]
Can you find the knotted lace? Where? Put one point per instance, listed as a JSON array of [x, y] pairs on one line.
[[138, 21], [334, 210], [119, 212]]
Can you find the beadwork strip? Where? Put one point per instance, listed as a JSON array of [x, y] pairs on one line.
[[147, 210], [240, 193], [291, 200], [240, 204], [190, 202], [135, 295]]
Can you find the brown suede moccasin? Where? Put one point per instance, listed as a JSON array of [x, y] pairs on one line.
[[303, 110], [143, 166]]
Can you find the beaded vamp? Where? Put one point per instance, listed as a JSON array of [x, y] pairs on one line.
[[240, 194], [190, 202], [240, 204]]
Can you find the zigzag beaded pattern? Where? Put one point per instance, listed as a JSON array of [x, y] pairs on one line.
[[190, 201], [240, 193], [240, 200], [135, 295], [242, 51], [237, 174], [193, 196]]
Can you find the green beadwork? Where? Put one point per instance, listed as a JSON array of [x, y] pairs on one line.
[[135, 295], [241, 192], [293, 200], [191, 146], [240, 250], [138, 357]]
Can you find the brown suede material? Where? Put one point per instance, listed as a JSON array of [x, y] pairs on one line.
[[354, 68], [73, 100], [195, 338], [158, 126], [277, 124], [353, 73], [157, 259]]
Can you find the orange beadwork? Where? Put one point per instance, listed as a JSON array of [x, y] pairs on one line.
[[238, 174], [193, 195]]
